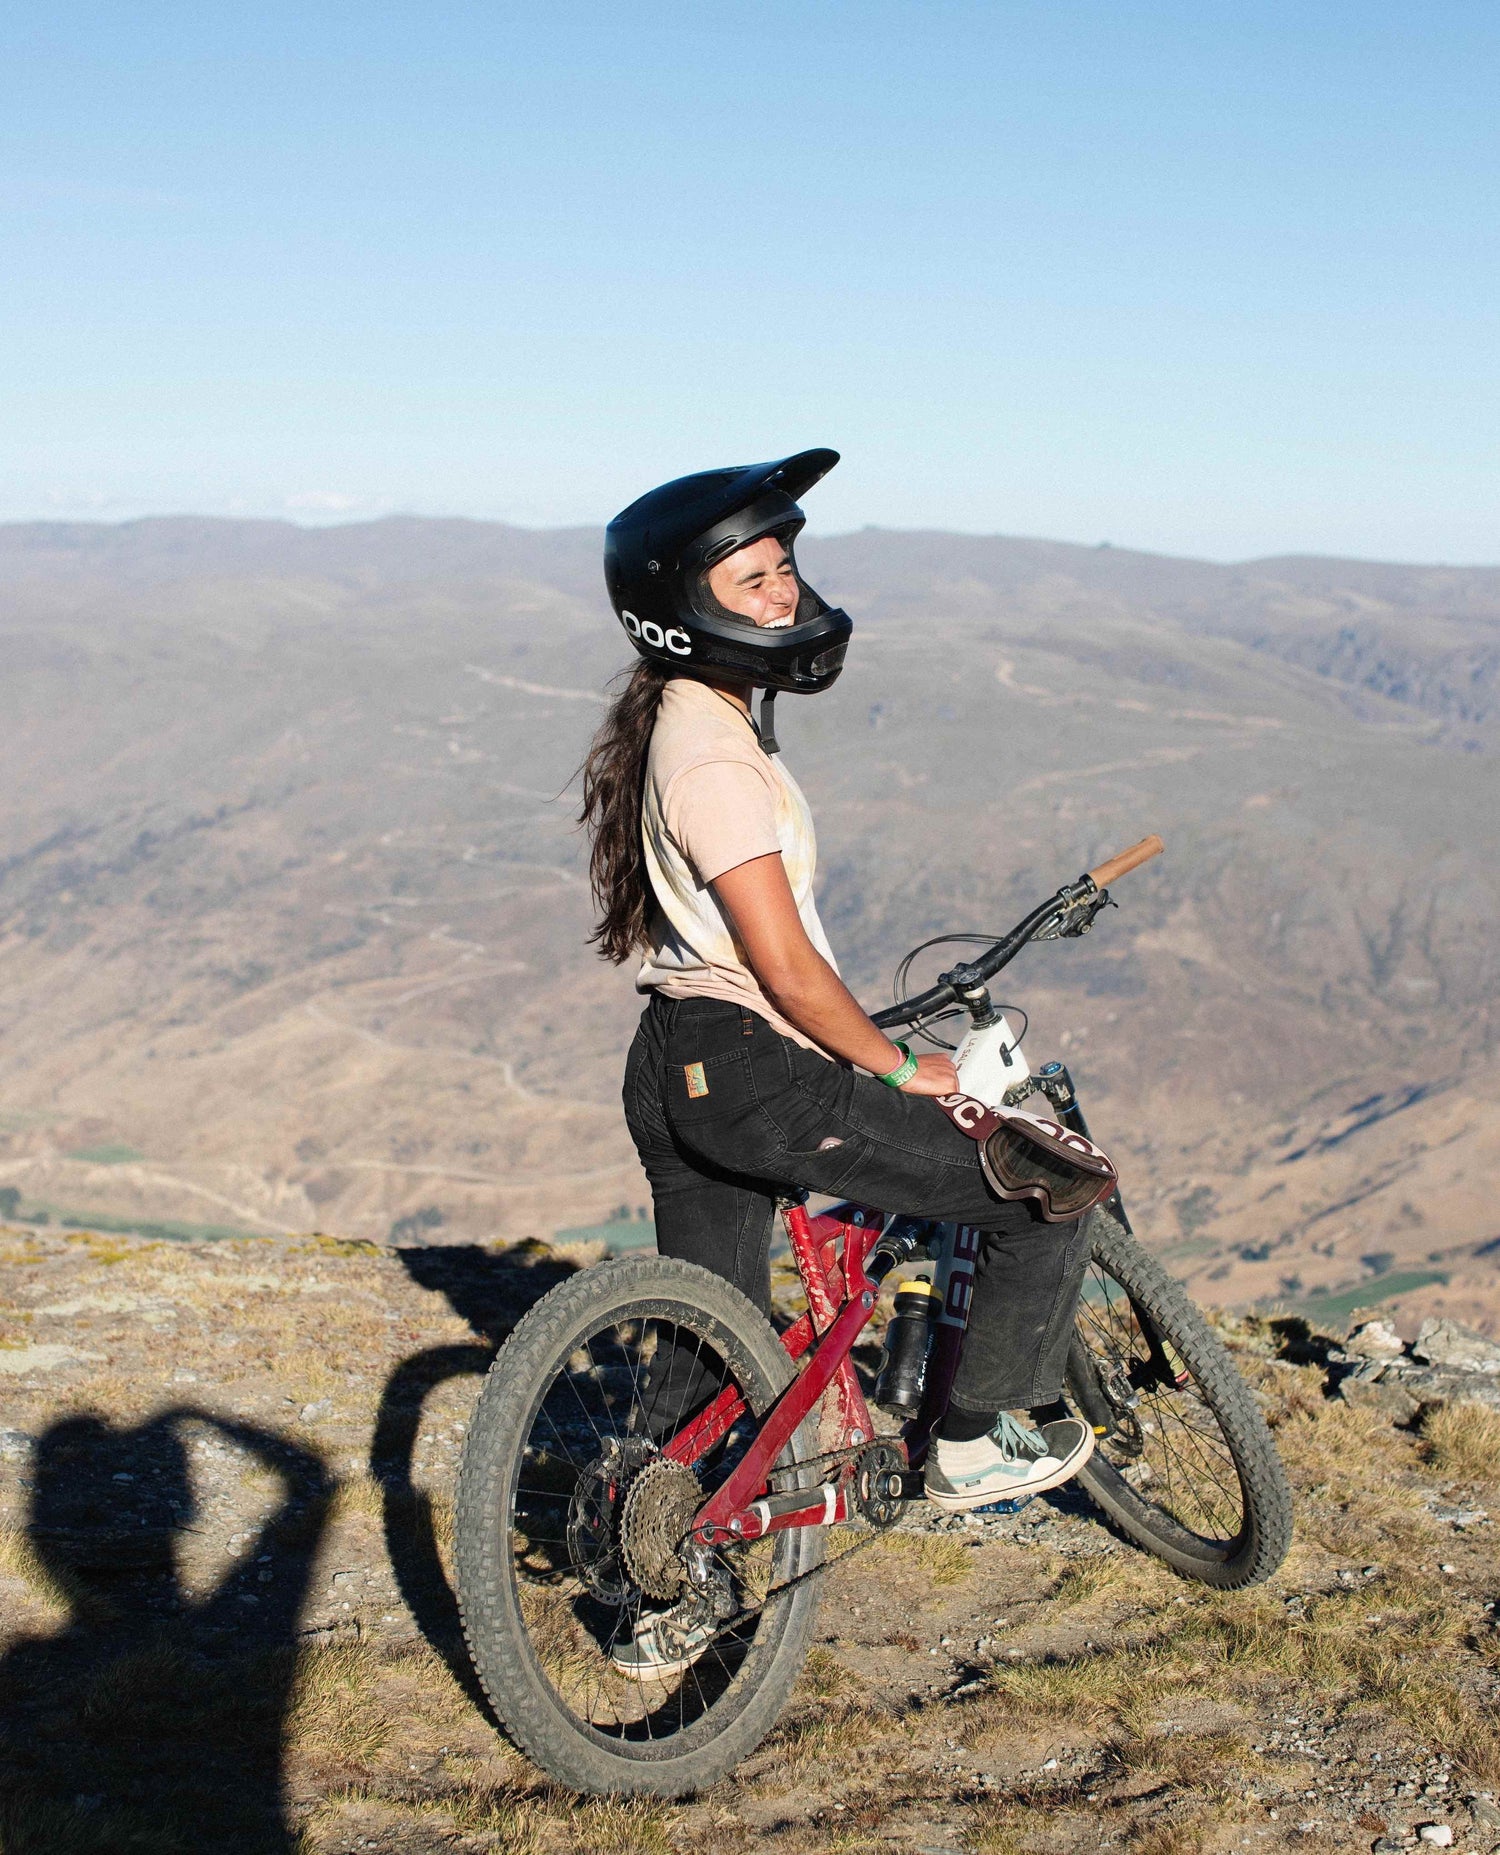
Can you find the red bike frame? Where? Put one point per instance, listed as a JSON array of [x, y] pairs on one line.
[[830, 1251]]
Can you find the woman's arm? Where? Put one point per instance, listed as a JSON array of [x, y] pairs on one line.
[[802, 985]]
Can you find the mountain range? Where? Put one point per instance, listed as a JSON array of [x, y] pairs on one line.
[[293, 907]]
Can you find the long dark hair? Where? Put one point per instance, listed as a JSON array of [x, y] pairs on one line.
[[614, 776]]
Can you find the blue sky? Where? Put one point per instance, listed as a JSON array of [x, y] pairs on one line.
[[1210, 279]]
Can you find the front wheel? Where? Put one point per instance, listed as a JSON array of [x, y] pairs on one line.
[[571, 1522], [1184, 1464]]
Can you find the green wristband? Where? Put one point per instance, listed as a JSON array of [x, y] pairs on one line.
[[904, 1070]]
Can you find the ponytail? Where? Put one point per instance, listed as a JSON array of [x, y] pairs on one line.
[[614, 777]]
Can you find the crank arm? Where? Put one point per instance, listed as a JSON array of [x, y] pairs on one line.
[[801, 1507]]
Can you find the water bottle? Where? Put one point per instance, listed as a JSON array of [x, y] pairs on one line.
[[903, 1370]]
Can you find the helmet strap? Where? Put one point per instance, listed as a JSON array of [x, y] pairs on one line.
[[767, 728]]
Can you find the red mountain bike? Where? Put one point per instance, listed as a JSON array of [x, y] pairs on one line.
[[574, 1518]]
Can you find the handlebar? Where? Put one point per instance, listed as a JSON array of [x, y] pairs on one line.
[[1079, 901], [1127, 861]]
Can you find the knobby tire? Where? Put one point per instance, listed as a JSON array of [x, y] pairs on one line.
[[566, 1745], [1226, 1519]]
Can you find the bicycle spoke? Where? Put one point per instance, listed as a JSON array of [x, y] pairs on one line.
[[1172, 1451], [598, 1423]]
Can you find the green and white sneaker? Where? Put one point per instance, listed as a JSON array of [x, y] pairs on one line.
[[1013, 1460], [664, 1642]]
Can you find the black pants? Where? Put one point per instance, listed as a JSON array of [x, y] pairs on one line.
[[725, 1112]]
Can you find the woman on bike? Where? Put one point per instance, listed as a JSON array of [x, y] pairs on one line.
[[754, 1070]]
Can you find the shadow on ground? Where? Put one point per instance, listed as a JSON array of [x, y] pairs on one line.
[[491, 1291], [155, 1717]]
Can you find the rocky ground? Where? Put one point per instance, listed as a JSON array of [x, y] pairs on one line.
[[227, 1622]]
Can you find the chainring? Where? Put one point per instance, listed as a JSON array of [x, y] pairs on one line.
[[594, 1517], [655, 1519], [873, 1470]]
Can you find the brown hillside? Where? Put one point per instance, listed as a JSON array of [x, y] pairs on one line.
[[292, 917]]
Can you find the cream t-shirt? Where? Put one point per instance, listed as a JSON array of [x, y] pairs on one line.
[[714, 799]]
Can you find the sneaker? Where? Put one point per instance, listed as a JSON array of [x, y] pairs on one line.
[[664, 1642], [1014, 1459]]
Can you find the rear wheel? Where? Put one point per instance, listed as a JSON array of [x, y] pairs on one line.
[[570, 1526], [1185, 1464]]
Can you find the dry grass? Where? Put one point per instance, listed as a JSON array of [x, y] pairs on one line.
[[621, 1826], [1114, 1576], [1188, 1761], [1235, 1645], [318, 1244], [512, 1827], [931, 1558], [1463, 1440], [21, 1560], [1351, 1468], [1187, 1837], [135, 1691], [508, 1825], [335, 1716], [109, 1250], [31, 1824], [360, 1496], [830, 1713], [824, 1677], [428, 1695], [996, 1831]]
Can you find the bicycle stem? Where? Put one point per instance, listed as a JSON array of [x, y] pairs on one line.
[[965, 984]]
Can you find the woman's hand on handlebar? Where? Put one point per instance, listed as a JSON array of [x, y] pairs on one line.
[[935, 1076]]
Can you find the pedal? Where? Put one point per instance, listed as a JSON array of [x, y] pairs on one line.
[[1012, 1506]]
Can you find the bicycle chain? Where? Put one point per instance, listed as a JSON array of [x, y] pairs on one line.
[[824, 1565]]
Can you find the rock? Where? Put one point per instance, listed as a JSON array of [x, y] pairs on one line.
[[1439, 1835], [24, 1358], [1375, 1339], [314, 1413], [14, 1444], [1434, 1385], [1461, 1517], [1445, 1343], [1388, 1396]]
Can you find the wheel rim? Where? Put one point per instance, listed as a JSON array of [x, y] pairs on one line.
[[1168, 1456], [576, 1566]]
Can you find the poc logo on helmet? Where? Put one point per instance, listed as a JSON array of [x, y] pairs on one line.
[[675, 639]]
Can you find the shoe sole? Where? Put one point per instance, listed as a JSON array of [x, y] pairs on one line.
[[658, 1671], [966, 1503], [641, 1670]]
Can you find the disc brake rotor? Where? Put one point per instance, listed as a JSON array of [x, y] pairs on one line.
[[594, 1515], [656, 1518]]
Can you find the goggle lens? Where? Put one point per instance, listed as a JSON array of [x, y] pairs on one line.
[[1021, 1166]]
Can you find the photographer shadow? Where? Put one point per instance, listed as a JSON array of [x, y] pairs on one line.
[[155, 1716], [490, 1291]]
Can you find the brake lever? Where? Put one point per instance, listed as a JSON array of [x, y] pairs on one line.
[[1080, 904]]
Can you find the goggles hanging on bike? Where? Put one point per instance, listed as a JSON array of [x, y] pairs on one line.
[[1026, 1156]]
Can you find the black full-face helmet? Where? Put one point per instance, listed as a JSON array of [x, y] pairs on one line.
[[657, 555]]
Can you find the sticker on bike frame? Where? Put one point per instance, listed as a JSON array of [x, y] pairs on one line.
[[697, 1082]]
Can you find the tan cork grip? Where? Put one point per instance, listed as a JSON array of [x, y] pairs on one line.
[[1127, 861]]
